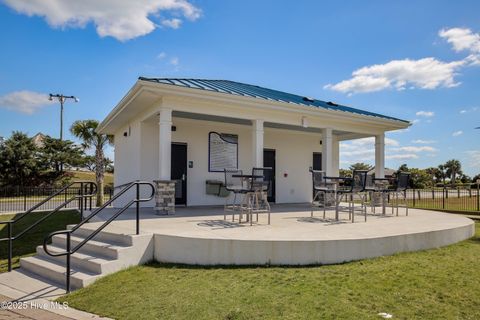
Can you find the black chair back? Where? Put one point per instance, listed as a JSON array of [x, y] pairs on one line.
[[318, 179], [233, 183], [263, 180], [403, 181], [359, 180]]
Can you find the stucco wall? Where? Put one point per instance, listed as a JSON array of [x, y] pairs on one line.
[[136, 157]]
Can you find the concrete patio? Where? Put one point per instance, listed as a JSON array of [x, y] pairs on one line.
[[200, 235]]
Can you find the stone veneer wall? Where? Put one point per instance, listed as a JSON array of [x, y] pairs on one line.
[[165, 196]]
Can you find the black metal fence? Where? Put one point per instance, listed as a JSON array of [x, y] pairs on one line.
[[19, 199], [449, 199]]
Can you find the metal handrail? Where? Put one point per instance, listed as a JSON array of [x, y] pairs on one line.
[[69, 250], [10, 223]]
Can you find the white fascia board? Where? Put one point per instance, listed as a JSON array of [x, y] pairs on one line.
[[271, 104], [224, 98]]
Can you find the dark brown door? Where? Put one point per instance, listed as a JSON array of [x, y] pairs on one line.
[[179, 172], [269, 162], [316, 164], [317, 161]]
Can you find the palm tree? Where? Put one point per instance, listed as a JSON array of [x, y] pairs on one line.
[[434, 173], [360, 166], [453, 167], [86, 131], [442, 169]]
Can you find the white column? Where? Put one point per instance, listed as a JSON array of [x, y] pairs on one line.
[[257, 143], [380, 156], [165, 144], [327, 151], [336, 156]]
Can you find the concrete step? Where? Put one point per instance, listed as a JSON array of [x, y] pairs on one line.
[[56, 273], [114, 237], [78, 260], [109, 252], [93, 247]]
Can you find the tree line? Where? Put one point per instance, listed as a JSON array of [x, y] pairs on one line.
[[25, 163], [447, 174]]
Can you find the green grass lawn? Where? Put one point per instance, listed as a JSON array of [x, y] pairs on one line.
[[26, 245], [435, 284], [453, 203]]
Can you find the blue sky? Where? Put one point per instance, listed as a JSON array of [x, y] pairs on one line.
[[416, 60]]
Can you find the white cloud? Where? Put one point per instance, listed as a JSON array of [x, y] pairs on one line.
[[425, 114], [415, 149], [463, 111], [426, 73], [174, 61], [462, 39], [404, 156], [172, 23], [457, 133], [363, 150], [371, 141], [420, 141], [161, 55], [27, 102], [121, 19]]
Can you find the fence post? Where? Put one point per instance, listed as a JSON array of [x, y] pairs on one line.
[[478, 195], [443, 198], [24, 199], [414, 197]]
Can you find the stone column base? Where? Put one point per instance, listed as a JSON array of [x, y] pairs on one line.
[[165, 196]]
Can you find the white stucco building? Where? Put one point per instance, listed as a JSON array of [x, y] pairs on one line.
[[186, 129]]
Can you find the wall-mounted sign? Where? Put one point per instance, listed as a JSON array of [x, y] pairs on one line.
[[222, 151]]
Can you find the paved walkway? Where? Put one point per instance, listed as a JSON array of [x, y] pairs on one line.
[[38, 295], [10, 310]]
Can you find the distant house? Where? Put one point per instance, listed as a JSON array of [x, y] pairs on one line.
[[38, 140]]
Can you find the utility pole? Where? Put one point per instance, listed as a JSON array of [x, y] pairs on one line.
[[62, 98]]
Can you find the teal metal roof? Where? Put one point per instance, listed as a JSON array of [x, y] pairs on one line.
[[248, 90]]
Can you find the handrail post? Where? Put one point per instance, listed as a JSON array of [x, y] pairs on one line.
[[138, 208], [81, 201], [91, 190], [68, 263], [10, 246]]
